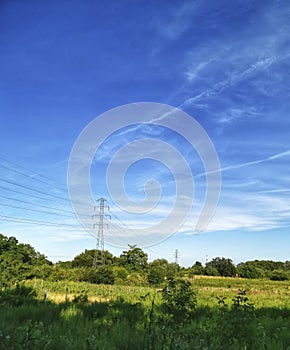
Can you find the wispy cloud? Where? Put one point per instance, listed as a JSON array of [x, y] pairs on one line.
[[226, 66], [178, 22], [194, 71], [255, 162], [280, 190], [234, 78], [252, 212], [233, 114]]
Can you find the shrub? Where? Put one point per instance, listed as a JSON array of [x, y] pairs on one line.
[[17, 296], [179, 299], [279, 275], [211, 271], [136, 279], [105, 275], [120, 273]]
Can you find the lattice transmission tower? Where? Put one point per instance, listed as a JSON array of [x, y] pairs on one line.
[[99, 258], [176, 256]]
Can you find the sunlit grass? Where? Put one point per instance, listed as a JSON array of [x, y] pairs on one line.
[[263, 293]]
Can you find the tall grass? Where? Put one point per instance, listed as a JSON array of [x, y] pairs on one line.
[[263, 293], [210, 314]]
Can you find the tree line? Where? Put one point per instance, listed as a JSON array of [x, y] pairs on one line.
[[20, 261]]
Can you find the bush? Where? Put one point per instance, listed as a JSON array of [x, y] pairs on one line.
[[279, 275], [136, 279], [17, 296], [156, 275], [179, 299], [211, 271], [104, 275], [120, 274]]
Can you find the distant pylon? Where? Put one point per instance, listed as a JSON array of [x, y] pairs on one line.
[[99, 258], [176, 256]]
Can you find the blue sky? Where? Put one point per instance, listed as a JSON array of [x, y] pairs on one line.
[[227, 64]]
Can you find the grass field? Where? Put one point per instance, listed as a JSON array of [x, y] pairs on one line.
[[67, 315], [263, 293]]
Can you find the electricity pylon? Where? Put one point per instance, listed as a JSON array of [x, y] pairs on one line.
[[176, 256], [99, 258]]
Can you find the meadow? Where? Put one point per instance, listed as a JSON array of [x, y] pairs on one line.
[[262, 292], [201, 313]]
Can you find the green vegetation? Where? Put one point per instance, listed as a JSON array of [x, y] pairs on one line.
[[178, 316], [20, 262], [130, 303]]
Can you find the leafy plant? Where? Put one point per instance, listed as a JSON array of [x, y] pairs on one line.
[[241, 301], [17, 296], [179, 299]]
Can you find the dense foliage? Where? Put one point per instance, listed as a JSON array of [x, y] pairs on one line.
[[86, 259], [223, 267], [20, 262]]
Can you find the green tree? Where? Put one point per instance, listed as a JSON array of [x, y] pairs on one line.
[[42, 271], [105, 275], [249, 270], [211, 271], [120, 274], [64, 264], [134, 259], [160, 269], [58, 274], [225, 267], [261, 268], [6, 243], [86, 258], [279, 275], [29, 255], [18, 261], [198, 269]]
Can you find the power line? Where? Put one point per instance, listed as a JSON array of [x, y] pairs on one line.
[[118, 233], [121, 222], [38, 205], [63, 188], [32, 189], [35, 210], [132, 231], [38, 191], [33, 196], [31, 176], [122, 232], [37, 222]]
